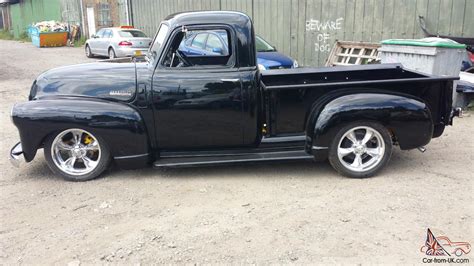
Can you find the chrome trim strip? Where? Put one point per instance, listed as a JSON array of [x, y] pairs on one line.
[[283, 139], [319, 148], [131, 156], [157, 164]]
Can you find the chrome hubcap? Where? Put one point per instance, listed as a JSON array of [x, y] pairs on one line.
[[76, 152], [361, 149]]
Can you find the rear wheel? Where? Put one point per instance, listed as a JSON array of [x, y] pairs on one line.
[[76, 154], [360, 149], [112, 53], [88, 52]]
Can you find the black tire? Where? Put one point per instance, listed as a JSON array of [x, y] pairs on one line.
[[102, 165], [112, 54], [341, 168], [88, 51]]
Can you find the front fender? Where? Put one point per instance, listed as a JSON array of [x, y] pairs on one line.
[[119, 124], [408, 119]]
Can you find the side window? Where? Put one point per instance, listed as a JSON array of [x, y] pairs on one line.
[[199, 40], [107, 34], [199, 48], [100, 33], [215, 45]]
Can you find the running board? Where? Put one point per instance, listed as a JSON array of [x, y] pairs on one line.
[[231, 159]]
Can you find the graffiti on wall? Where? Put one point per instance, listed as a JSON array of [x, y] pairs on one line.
[[323, 30]]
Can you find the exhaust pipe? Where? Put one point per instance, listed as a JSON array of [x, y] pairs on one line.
[[422, 149]]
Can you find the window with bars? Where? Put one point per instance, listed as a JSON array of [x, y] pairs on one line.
[[353, 53], [104, 16]]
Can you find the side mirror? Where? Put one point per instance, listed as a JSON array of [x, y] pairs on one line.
[[217, 50], [94, 36], [274, 48]]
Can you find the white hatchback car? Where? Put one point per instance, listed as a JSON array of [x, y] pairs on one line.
[[117, 42]]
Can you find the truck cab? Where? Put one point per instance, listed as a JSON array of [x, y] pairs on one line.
[[179, 109]]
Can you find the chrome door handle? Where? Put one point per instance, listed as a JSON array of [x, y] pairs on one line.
[[229, 80]]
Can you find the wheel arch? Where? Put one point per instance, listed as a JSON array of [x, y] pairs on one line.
[[408, 119], [120, 125]]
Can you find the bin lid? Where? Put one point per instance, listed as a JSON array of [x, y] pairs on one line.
[[427, 42]]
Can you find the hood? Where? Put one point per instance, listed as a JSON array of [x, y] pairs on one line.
[[104, 79], [274, 60]]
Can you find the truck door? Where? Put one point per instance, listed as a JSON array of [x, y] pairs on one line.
[[197, 98]]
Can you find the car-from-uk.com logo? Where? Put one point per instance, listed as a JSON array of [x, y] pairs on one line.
[[442, 250]]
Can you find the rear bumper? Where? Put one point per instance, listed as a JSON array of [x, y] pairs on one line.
[[16, 155], [125, 51]]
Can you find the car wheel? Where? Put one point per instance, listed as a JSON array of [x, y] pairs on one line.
[[76, 154], [112, 53], [458, 252], [360, 149], [89, 52]]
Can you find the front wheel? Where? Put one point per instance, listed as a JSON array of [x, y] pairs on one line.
[[88, 51], [360, 149], [112, 53], [76, 154]]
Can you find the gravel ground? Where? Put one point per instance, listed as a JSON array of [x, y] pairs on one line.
[[264, 213]]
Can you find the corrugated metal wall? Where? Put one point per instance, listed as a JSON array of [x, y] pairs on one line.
[[307, 29], [29, 11]]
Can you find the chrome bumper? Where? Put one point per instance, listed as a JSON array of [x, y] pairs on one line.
[[16, 155]]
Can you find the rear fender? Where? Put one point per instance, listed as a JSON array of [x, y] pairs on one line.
[[408, 119], [119, 124]]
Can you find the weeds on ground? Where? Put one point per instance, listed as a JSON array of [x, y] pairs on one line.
[[6, 35], [24, 37], [470, 107], [80, 42]]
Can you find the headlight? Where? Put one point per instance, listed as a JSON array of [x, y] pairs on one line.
[[295, 64], [261, 67]]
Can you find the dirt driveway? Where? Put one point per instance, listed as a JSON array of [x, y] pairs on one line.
[[264, 213]]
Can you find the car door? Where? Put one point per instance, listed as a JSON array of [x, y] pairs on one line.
[[197, 107], [94, 43], [103, 43]]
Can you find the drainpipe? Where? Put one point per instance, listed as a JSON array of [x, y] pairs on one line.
[[82, 20], [130, 12]]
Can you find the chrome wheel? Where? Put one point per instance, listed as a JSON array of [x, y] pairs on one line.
[[361, 149], [76, 152]]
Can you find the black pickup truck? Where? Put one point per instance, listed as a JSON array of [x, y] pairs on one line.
[[172, 109]]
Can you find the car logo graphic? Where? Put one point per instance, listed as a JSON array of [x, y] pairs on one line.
[[443, 246]]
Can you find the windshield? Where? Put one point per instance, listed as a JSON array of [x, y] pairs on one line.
[[263, 46], [131, 34], [159, 39]]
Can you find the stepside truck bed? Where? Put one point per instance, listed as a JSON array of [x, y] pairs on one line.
[[290, 94]]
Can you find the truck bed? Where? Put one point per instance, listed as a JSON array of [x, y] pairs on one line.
[[342, 76], [290, 93]]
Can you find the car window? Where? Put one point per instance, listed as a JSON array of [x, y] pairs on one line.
[[132, 34], [199, 40], [214, 44], [208, 48], [263, 46], [159, 39], [107, 34], [100, 33]]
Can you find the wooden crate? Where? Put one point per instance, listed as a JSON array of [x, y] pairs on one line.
[[353, 53]]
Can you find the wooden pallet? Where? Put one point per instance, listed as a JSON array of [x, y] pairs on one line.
[[346, 53]]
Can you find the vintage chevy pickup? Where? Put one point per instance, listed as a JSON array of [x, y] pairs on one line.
[[169, 109]]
